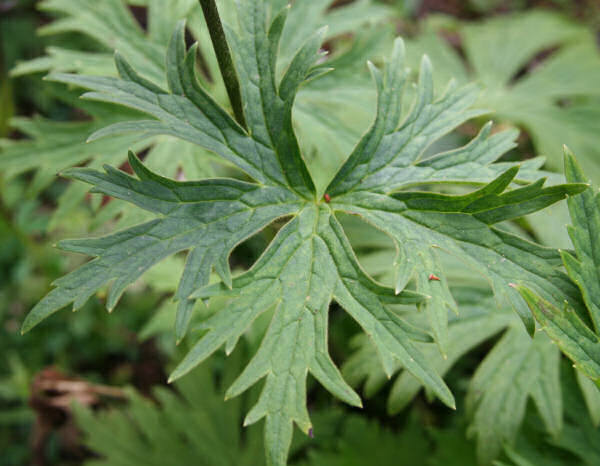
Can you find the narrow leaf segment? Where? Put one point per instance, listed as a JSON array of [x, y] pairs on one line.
[[217, 36], [577, 333]]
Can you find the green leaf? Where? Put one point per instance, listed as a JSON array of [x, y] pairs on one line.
[[568, 328], [591, 395], [584, 269], [516, 369], [569, 332], [188, 425], [53, 146], [495, 401], [579, 435], [310, 263], [546, 83], [577, 442], [111, 24], [58, 58], [360, 441], [388, 158]]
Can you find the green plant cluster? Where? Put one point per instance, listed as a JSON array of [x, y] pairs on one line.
[[291, 227]]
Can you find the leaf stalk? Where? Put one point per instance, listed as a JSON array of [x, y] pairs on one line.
[[221, 47]]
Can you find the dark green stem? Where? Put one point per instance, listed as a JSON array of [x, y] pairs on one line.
[[217, 36]]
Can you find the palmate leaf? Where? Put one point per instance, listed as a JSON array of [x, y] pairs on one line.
[[546, 83], [568, 329], [310, 263]]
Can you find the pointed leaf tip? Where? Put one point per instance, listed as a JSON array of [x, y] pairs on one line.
[[426, 65]]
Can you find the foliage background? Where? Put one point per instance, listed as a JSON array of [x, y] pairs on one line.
[[132, 352]]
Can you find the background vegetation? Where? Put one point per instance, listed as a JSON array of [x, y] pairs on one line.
[[90, 388]]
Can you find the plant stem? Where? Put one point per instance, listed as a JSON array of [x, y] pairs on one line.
[[219, 41]]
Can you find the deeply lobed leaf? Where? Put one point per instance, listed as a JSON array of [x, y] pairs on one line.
[[310, 263]]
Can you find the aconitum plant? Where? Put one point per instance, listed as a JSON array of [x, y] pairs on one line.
[[389, 180]]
